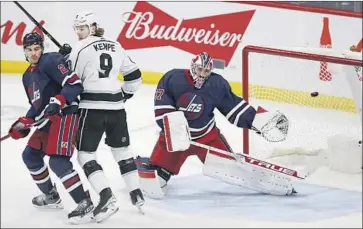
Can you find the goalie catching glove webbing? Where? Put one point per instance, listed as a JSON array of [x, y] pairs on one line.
[[272, 125]]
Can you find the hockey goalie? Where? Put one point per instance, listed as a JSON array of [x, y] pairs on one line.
[[184, 105]]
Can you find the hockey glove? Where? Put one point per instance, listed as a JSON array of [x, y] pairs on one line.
[[126, 95], [19, 128], [65, 49], [55, 105], [272, 125]]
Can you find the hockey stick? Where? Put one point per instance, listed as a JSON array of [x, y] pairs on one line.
[[25, 127], [39, 25], [243, 158]]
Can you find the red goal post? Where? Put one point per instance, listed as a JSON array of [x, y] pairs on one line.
[[319, 57]]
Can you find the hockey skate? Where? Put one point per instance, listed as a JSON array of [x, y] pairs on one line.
[[106, 207], [83, 213], [48, 201], [137, 199]]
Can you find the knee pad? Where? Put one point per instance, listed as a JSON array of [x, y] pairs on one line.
[[125, 159], [33, 158], [60, 165], [85, 156], [128, 165], [122, 153], [93, 170], [88, 162]]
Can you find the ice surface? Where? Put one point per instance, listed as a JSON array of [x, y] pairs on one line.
[[327, 199]]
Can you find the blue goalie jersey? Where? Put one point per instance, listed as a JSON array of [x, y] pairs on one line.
[[176, 91]]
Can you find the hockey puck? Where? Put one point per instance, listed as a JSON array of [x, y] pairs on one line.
[[314, 94]]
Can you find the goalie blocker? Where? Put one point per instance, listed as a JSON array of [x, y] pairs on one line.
[[220, 164]]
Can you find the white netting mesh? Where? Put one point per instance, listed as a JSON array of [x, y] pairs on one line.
[[286, 84]]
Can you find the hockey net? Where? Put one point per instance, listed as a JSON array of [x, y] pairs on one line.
[[310, 86]]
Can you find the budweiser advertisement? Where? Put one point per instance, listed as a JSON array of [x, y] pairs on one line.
[[164, 35], [147, 26]]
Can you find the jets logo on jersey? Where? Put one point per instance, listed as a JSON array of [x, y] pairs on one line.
[[191, 104], [34, 95]]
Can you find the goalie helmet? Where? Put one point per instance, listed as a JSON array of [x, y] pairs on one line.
[[201, 68], [86, 18]]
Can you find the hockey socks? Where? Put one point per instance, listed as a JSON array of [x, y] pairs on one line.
[[42, 179]]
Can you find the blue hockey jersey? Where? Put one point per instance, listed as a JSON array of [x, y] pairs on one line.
[[176, 91], [48, 78]]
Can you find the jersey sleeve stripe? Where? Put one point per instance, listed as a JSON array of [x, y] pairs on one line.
[[71, 79], [161, 112], [102, 97], [198, 134], [134, 75], [164, 107], [232, 111], [236, 115]]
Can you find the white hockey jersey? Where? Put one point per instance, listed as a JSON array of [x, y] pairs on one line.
[[98, 61]]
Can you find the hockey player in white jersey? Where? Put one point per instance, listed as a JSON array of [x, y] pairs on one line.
[[98, 61]]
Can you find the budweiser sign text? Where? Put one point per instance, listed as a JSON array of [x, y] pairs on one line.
[[147, 26], [9, 29]]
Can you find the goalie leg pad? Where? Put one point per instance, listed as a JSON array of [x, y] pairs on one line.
[[153, 179], [225, 168], [171, 161]]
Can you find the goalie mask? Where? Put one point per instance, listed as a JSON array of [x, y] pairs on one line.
[[201, 68], [85, 24]]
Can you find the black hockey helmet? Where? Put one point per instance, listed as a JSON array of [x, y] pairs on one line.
[[33, 38]]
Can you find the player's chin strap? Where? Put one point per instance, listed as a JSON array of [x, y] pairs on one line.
[[243, 158]]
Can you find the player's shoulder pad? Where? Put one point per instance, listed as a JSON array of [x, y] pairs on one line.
[[82, 44], [111, 40], [169, 77], [218, 81], [174, 73], [50, 57]]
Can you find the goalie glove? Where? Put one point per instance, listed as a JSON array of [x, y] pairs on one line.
[[177, 134], [272, 125]]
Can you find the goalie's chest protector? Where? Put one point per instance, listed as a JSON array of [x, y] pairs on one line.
[[197, 104]]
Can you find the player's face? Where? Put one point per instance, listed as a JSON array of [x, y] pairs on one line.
[[33, 53], [82, 32], [203, 72]]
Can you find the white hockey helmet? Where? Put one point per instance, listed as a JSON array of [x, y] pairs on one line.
[[87, 18]]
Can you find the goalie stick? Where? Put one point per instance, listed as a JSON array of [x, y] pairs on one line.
[[38, 24], [243, 158]]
